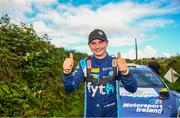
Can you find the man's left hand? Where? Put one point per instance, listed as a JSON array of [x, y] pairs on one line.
[[122, 64]]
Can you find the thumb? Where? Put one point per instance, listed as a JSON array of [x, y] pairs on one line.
[[119, 55], [71, 56]]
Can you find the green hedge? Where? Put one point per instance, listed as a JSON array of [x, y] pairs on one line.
[[30, 74]]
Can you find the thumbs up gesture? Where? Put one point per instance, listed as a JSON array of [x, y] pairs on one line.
[[122, 65], [68, 64]]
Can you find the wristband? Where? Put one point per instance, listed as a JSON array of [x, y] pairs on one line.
[[66, 72], [126, 73]]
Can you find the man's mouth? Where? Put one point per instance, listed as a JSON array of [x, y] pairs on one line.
[[97, 51]]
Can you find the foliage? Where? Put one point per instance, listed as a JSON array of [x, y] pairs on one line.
[[30, 74]]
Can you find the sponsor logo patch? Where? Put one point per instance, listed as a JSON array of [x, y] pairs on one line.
[[110, 73], [103, 90], [107, 68], [95, 70], [155, 101], [95, 76]]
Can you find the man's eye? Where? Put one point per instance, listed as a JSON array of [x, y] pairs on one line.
[[93, 43], [100, 42]]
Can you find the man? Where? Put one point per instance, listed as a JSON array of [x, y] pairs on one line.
[[154, 65], [101, 73]]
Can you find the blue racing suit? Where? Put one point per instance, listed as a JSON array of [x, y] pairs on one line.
[[101, 100]]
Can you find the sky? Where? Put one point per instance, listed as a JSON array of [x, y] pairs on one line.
[[154, 23]]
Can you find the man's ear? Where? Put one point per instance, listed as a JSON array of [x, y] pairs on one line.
[[107, 42]]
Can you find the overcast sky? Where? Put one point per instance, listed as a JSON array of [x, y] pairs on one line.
[[154, 23]]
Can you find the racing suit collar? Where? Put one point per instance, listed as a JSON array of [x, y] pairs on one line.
[[100, 61]]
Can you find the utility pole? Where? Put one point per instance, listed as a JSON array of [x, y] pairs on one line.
[[136, 49]]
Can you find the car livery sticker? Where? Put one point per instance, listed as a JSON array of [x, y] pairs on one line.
[[141, 92], [150, 108]]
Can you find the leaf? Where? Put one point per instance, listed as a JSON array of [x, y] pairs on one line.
[[5, 88]]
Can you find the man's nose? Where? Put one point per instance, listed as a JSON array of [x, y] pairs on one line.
[[97, 46]]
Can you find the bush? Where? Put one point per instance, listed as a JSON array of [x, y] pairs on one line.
[[30, 74]]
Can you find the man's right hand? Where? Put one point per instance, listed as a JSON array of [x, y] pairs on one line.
[[68, 64]]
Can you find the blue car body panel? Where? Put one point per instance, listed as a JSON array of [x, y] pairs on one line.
[[148, 106], [145, 102]]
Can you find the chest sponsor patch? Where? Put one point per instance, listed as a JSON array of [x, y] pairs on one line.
[[107, 68], [102, 90], [95, 70], [95, 76]]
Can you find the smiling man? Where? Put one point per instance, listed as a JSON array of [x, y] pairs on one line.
[[101, 74]]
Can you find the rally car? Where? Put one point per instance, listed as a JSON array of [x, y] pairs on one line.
[[153, 98]]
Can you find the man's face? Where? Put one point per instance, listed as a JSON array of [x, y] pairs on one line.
[[98, 47]]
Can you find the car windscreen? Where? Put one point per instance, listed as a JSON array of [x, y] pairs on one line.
[[146, 78]]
